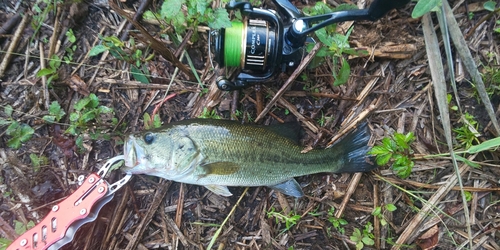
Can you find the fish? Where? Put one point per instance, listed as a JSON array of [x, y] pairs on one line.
[[220, 153]]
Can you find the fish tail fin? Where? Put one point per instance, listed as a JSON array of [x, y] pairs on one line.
[[354, 150]]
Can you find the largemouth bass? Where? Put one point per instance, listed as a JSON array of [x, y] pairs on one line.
[[221, 153]]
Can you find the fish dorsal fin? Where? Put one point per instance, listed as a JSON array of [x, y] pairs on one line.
[[289, 187], [220, 168], [218, 189], [290, 130]]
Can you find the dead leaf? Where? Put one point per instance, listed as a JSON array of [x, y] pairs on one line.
[[78, 85], [429, 239]]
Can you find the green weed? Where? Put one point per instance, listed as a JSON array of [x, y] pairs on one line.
[[336, 45], [128, 53], [68, 57], [467, 135], [55, 61], [209, 114], [18, 132], [196, 12], [150, 123], [38, 161], [88, 116], [337, 223], [51, 71], [56, 113], [397, 151], [362, 238], [377, 212], [19, 228], [289, 220]]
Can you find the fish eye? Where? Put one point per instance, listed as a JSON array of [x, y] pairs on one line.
[[149, 138]]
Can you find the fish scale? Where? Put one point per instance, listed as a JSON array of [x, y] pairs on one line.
[[221, 153]]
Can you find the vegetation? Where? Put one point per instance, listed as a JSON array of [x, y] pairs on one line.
[[198, 12], [396, 150], [289, 219], [127, 52], [362, 238], [336, 44], [94, 116], [18, 132]]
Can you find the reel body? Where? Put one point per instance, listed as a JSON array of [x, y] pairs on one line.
[[268, 42]]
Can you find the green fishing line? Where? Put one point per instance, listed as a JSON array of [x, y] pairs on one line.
[[232, 44]]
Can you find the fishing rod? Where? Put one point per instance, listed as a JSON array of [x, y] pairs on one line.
[[267, 42]]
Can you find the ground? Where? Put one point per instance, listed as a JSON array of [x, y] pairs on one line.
[[62, 121]]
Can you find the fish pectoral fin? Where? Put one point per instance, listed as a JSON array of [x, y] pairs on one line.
[[289, 187], [220, 168], [218, 189]]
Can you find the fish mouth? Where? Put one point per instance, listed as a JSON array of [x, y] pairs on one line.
[[133, 155]]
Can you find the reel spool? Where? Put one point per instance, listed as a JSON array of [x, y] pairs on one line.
[[265, 43]]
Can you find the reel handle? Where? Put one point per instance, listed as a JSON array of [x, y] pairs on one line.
[[297, 33]]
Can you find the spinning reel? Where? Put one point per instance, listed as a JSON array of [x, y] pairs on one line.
[[268, 42]]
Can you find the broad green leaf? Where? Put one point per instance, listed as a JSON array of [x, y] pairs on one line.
[[71, 129], [35, 160], [81, 104], [26, 133], [487, 145], [389, 144], [356, 235], [359, 245], [344, 73], [200, 6], [74, 117], [71, 36], [390, 207], [4, 122], [56, 111], [104, 110], [98, 49], [138, 75], [54, 62], [409, 137], [376, 150], [4, 243], [13, 128], [221, 19], [490, 5], [79, 142], [400, 140], [156, 121], [49, 118], [89, 116], [147, 119], [324, 37], [8, 110], [383, 222], [94, 101], [424, 6], [45, 72], [19, 227], [14, 143], [170, 8], [383, 159], [368, 241], [377, 211]]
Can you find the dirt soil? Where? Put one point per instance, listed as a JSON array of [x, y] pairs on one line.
[[390, 88]]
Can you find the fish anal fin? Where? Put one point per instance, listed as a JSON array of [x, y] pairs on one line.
[[289, 187], [218, 189]]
